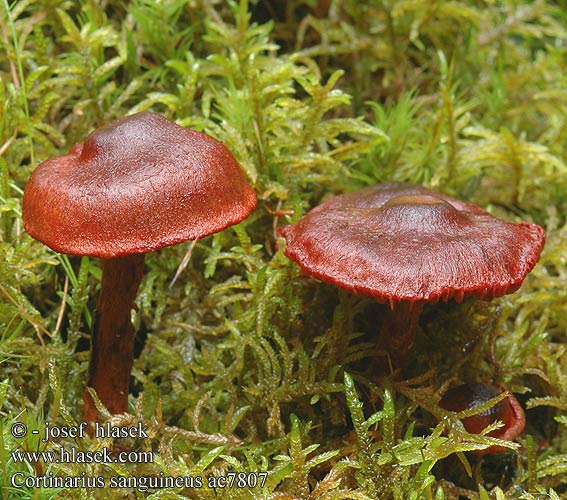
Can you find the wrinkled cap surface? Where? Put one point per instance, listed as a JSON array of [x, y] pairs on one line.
[[399, 242], [136, 185]]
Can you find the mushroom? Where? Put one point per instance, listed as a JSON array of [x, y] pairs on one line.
[[134, 186], [407, 245], [474, 395]]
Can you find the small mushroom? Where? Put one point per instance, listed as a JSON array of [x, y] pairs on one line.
[[508, 411], [134, 186], [407, 245]]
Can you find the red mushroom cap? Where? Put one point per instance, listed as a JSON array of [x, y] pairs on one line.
[[133, 186], [399, 242], [508, 411]]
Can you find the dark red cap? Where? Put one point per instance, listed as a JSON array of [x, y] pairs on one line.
[[508, 411], [136, 185], [399, 242]]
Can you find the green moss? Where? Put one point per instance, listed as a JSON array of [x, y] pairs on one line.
[[245, 365]]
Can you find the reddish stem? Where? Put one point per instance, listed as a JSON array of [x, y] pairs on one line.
[[112, 343], [397, 335]]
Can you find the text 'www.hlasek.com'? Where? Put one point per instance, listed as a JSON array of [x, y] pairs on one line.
[[42, 451]]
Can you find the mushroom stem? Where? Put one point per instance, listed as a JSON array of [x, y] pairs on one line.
[[112, 342], [398, 333]]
